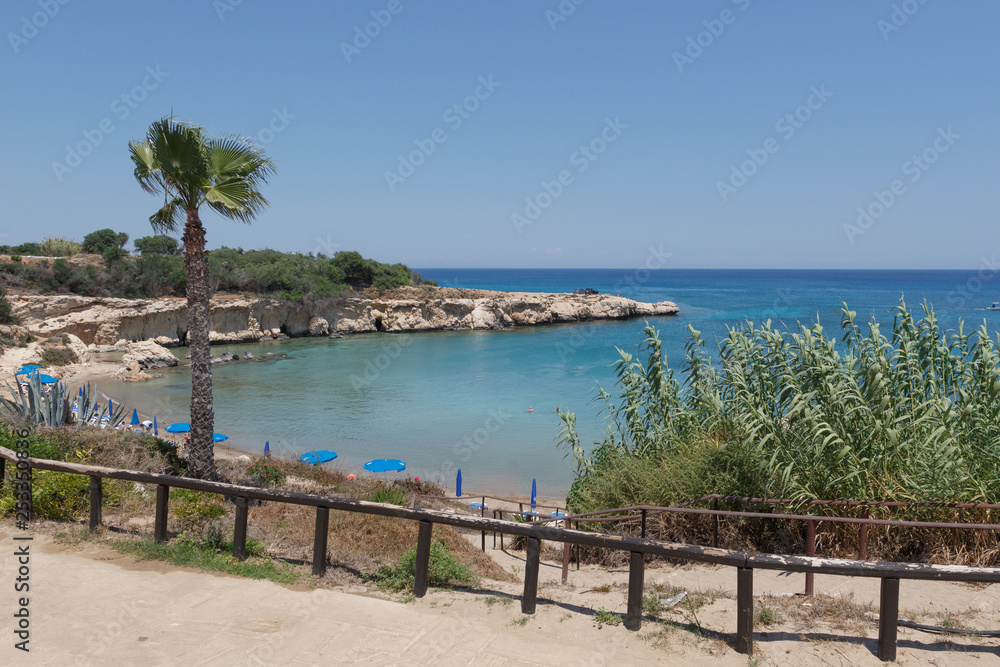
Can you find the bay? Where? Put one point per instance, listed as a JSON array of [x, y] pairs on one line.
[[459, 399]]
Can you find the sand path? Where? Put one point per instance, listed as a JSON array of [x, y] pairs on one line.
[[90, 605]]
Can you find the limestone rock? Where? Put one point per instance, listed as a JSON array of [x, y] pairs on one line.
[[105, 323], [145, 355], [318, 326]]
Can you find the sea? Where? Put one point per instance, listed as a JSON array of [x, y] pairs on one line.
[[485, 402]]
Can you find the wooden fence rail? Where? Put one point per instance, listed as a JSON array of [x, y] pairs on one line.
[[638, 547]]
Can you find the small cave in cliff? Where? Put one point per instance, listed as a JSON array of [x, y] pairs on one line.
[[182, 337], [378, 324]]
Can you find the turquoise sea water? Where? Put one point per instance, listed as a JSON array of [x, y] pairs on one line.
[[444, 400]]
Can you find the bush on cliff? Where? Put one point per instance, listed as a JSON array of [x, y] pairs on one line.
[[157, 274], [99, 241], [6, 316], [159, 244]]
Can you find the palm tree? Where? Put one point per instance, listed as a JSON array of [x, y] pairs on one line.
[[189, 168]]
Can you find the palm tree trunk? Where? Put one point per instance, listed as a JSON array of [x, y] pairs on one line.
[[201, 459]]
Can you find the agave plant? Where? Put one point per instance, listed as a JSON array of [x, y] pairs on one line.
[[90, 410], [31, 402]]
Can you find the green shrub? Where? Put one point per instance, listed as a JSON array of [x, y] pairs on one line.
[[157, 245], [266, 472], [113, 255], [6, 316], [58, 356], [159, 271], [391, 495], [103, 239], [443, 569], [30, 249], [193, 509], [15, 258]]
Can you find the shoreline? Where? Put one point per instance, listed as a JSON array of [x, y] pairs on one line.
[[99, 371], [238, 320], [106, 323]]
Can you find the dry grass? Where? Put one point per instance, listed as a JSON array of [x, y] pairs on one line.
[[842, 613], [357, 544]]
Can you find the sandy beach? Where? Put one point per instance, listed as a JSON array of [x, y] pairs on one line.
[[91, 605]]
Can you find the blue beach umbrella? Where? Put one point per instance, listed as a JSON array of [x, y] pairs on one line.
[[218, 437], [111, 409], [179, 427], [46, 379], [156, 431], [534, 495], [385, 465], [135, 417], [317, 457], [267, 448], [24, 370], [458, 484]]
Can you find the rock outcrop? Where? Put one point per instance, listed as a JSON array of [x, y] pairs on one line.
[[145, 355], [101, 323]]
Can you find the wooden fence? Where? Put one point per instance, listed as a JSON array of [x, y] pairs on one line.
[[638, 547]]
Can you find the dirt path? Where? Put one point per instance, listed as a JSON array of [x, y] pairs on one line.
[[90, 605]]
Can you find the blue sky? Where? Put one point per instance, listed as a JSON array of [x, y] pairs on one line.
[[731, 134]]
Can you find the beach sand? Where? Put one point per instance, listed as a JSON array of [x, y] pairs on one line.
[[91, 605]]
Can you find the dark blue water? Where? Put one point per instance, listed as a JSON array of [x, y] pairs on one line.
[[444, 400]]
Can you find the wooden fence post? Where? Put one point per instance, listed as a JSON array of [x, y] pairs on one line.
[[160, 524], [319, 541], [96, 498], [744, 610], [240, 529], [810, 551], [423, 559], [633, 615], [530, 596], [715, 523], [863, 537], [888, 616]]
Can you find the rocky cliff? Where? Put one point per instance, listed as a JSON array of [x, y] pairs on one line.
[[114, 322]]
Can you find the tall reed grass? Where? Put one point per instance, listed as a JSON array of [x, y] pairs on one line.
[[909, 414]]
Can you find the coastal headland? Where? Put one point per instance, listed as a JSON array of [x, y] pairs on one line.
[[113, 322]]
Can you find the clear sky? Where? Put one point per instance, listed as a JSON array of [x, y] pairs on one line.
[[730, 133]]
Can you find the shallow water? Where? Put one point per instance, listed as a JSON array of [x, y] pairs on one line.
[[444, 400]]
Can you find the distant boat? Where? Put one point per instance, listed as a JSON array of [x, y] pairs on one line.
[[993, 306]]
